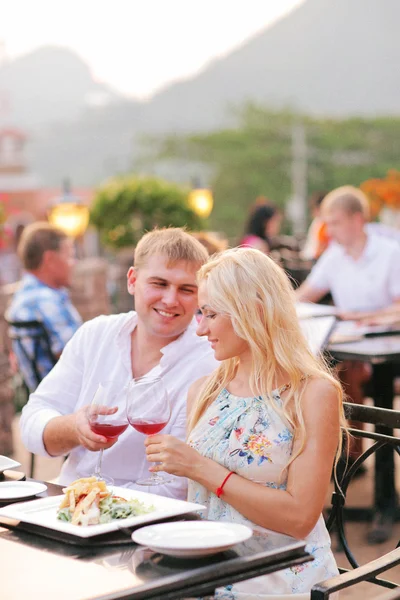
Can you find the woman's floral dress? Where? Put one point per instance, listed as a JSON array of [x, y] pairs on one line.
[[250, 437]]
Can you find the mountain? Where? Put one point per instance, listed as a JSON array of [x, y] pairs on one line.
[[326, 57], [48, 85]]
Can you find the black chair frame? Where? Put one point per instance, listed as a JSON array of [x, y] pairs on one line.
[[380, 417], [33, 331]]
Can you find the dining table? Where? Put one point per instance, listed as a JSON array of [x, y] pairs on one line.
[[40, 563], [380, 348]]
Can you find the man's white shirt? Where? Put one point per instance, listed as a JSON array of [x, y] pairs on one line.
[[101, 349], [371, 282]]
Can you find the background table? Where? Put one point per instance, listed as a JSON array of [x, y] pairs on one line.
[[383, 352], [116, 568]]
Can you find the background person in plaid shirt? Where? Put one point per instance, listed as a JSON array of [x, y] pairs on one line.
[[48, 256]]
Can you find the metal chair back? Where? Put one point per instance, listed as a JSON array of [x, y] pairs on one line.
[[32, 341], [385, 420]]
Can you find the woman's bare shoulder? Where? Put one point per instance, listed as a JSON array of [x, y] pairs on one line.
[[320, 392], [321, 385]]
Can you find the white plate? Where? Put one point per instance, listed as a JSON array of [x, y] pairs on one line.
[[7, 463], [43, 513], [191, 538], [14, 490]]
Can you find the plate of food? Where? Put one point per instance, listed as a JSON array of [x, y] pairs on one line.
[[88, 508], [190, 539]]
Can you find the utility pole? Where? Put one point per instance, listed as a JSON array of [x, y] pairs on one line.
[[297, 207]]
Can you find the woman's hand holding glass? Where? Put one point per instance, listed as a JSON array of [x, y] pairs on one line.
[[173, 456]]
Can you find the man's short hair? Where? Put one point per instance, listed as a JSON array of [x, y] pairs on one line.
[[35, 240], [347, 198], [172, 242]]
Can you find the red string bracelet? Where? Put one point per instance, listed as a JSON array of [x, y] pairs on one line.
[[219, 490]]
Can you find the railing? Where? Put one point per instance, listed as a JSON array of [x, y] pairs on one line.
[[379, 417]]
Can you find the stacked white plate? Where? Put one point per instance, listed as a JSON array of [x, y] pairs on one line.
[[188, 539]]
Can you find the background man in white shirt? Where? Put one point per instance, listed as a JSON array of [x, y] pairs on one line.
[[360, 269], [158, 339], [362, 272]]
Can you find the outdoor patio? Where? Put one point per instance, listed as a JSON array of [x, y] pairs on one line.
[[360, 494]]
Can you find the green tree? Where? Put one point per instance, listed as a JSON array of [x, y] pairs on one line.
[[247, 161], [125, 207], [254, 157]]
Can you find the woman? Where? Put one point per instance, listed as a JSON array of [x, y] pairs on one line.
[[263, 225], [269, 418]]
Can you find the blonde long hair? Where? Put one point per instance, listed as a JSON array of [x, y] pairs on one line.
[[256, 294]]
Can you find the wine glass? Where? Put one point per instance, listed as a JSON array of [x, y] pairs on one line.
[[105, 418], [148, 411]]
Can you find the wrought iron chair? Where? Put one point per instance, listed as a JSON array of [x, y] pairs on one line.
[[31, 340], [385, 421]]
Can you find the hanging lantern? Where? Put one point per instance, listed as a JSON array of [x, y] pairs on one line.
[[69, 214], [201, 201]]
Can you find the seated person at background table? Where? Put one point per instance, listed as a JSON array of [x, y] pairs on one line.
[[317, 236], [48, 256], [263, 225], [361, 271], [264, 428], [159, 338]]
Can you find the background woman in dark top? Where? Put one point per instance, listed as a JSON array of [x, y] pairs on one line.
[[263, 224]]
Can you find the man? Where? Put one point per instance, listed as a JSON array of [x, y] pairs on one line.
[[158, 339], [360, 269], [362, 272], [48, 257]]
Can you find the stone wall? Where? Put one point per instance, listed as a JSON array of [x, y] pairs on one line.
[[123, 301], [89, 290]]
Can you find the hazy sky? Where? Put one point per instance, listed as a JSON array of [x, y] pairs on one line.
[[137, 46]]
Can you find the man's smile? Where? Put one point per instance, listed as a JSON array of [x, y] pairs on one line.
[[166, 314]]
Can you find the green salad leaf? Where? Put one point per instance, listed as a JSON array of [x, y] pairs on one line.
[[64, 514], [113, 508]]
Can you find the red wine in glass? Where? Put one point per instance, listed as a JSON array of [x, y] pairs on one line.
[[148, 411], [148, 428], [108, 430], [105, 417]]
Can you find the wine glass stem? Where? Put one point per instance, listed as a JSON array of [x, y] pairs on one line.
[[155, 477], [97, 471]]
